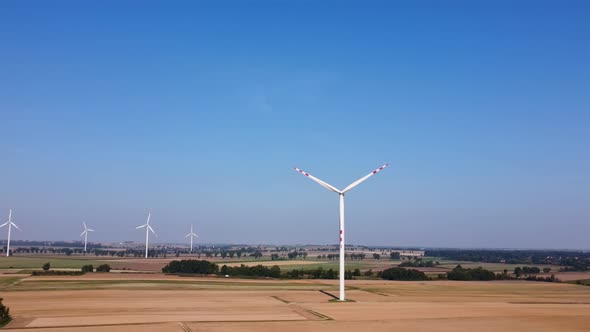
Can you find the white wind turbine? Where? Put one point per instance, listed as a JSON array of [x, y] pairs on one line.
[[10, 224], [148, 228], [85, 233], [341, 194], [191, 235]]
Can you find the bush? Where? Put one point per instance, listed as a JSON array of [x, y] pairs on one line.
[[398, 273], [46, 266], [4, 314], [87, 268], [103, 268]]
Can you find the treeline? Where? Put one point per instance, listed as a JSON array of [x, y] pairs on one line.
[[477, 274], [85, 269], [57, 273], [398, 273], [418, 262], [569, 260], [34, 244], [206, 267], [191, 266], [252, 271], [320, 273]]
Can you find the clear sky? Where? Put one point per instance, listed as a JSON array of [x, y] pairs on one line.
[[200, 109]]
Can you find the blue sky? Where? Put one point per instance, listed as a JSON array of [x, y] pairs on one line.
[[200, 109]]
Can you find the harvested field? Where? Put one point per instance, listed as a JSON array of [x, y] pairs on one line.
[[155, 302]]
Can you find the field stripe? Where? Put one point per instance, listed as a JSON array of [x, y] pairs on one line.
[[184, 327]]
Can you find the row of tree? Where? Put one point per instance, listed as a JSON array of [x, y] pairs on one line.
[[477, 274], [251, 271], [191, 266], [569, 260], [398, 273], [101, 268]]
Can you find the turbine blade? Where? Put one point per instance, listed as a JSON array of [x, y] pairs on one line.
[[13, 224], [320, 182], [84, 223], [83, 232], [151, 229], [4, 224], [361, 180], [90, 230], [142, 226], [188, 235]]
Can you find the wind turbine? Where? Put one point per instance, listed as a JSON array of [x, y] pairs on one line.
[[341, 194], [10, 224], [85, 233], [191, 234], [148, 228]]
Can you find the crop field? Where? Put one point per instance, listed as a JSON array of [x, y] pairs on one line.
[[157, 302], [35, 262], [496, 267]]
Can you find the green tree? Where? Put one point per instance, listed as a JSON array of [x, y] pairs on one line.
[[87, 268], [275, 272], [546, 269], [394, 255], [46, 266], [376, 256], [103, 268]]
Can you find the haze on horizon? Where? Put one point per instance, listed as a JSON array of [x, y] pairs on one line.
[[200, 111]]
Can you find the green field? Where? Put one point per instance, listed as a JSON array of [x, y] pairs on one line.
[[51, 285], [19, 262], [495, 267]]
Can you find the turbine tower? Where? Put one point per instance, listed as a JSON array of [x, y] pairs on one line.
[[341, 194], [191, 234], [85, 233], [10, 224], [148, 228]]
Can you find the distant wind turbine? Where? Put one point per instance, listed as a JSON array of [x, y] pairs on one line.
[[148, 228], [85, 233], [10, 224], [191, 235], [341, 194]]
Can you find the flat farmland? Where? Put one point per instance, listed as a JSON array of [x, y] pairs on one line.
[[36, 262], [155, 302]]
